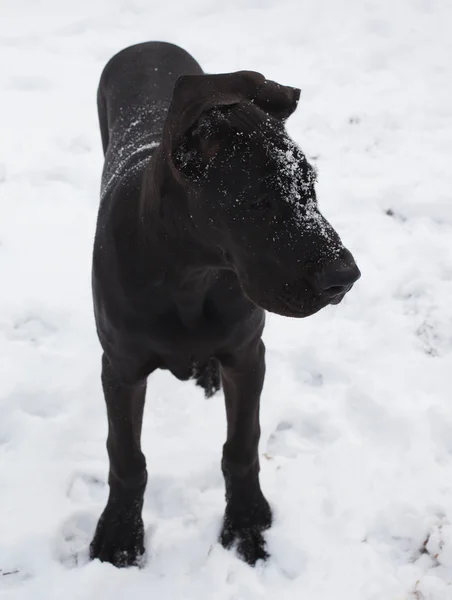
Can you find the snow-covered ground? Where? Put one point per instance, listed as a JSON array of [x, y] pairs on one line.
[[357, 411]]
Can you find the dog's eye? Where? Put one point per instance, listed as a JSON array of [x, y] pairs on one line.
[[261, 203]]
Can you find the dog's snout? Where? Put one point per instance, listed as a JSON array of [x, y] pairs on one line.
[[337, 278]]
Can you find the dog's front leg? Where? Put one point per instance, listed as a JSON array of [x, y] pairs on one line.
[[247, 511], [119, 537]]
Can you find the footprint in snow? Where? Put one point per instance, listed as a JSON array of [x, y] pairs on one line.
[[169, 497], [438, 546], [403, 534], [32, 329], [301, 433], [72, 542], [84, 488]]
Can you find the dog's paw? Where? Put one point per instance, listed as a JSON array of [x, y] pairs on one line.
[[250, 543], [243, 529], [119, 537]]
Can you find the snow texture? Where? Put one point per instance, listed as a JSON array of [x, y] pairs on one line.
[[304, 207], [356, 446]]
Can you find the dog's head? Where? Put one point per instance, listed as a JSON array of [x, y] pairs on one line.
[[252, 191]]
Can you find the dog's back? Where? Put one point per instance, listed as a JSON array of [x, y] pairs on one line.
[[133, 97]]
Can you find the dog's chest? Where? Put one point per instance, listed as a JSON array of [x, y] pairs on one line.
[[199, 326], [215, 304]]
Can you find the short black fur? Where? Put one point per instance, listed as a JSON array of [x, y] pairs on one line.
[[208, 217]]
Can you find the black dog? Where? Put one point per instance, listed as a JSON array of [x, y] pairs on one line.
[[208, 217]]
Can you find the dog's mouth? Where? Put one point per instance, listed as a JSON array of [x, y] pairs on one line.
[[298, 299], [339, 297], [301, 300]]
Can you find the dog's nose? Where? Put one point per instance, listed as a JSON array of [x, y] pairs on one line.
[[337, 278]]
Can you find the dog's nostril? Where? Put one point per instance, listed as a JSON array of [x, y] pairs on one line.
[[334, 290], [338, 278]]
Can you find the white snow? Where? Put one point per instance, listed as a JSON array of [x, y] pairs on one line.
[[357, 412]]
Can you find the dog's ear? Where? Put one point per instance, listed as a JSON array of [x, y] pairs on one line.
[[277, 100], [194, 95]]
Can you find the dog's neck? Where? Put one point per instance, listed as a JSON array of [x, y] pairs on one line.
[[194, 264], [191, 262]]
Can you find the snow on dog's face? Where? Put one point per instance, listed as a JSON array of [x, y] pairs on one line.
[[253, 194]]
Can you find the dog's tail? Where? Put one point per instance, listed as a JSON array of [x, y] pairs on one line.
[[208, 376]]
